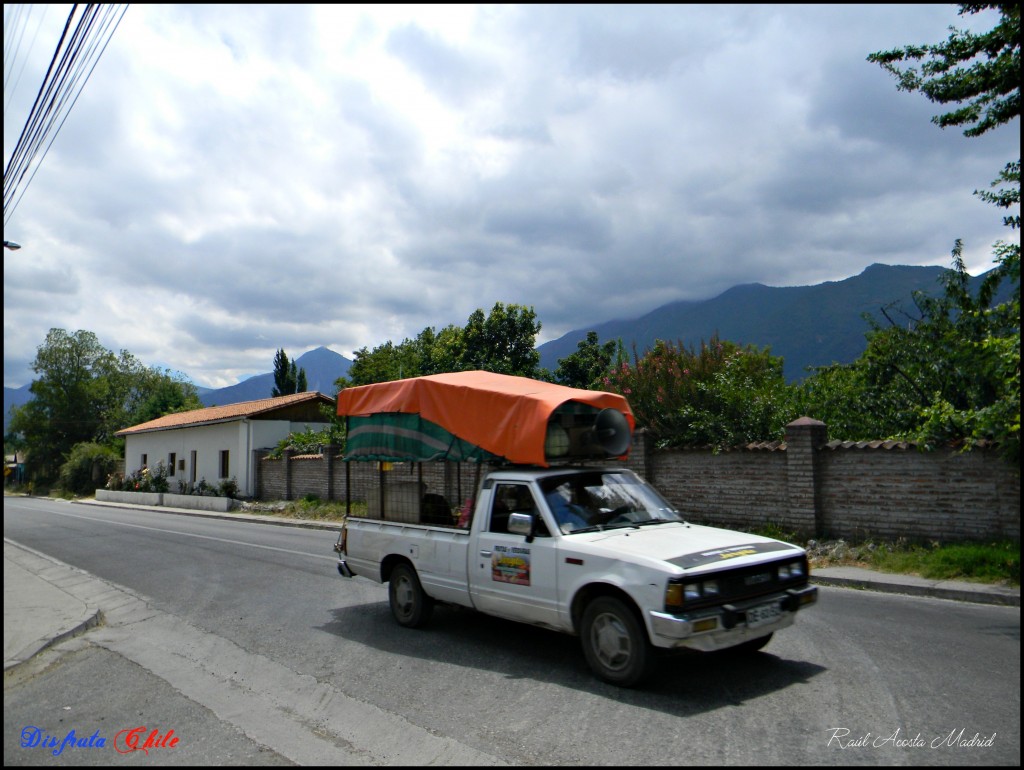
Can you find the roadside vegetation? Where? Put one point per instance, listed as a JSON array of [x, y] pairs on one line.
[[309, 508], [981, 562], [997, 562]]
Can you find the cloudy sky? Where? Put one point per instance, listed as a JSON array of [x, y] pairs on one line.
[[238, 179]]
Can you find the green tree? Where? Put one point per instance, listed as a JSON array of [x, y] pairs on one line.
[[502, 341], [84, 394], [163, 393], [87, 468], [590, 364], [720, 395], [64, 409], [946, 371], [384, 363], [288, 378], [953, 373], [978, 72]]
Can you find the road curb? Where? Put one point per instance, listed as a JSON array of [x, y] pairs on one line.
[[247, 517], [937, 592], [31, 561]]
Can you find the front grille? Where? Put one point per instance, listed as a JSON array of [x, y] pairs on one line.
[[741, 583]]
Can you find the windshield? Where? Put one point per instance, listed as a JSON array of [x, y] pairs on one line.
[[596, 500]]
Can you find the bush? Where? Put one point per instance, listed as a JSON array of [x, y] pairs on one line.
[[148, 480], [87, 468], [228, 488]]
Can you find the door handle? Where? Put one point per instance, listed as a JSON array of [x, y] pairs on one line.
[[485, 553]]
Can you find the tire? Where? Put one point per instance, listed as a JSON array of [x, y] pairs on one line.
[[615, 642], [411, 607]]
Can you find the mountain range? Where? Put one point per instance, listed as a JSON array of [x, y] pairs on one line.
[[806, 325]]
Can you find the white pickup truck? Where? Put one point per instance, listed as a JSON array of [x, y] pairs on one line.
[[590, 550]]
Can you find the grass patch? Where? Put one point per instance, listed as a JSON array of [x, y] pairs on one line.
[[980, 562], [997, 562], [987, 562]]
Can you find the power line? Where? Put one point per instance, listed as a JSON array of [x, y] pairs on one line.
[[72, 64]]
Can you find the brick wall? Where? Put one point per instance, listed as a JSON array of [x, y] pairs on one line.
[[900, 492], [736, 489], [805, 485]]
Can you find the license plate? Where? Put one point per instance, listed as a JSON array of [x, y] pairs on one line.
[[759, 616]]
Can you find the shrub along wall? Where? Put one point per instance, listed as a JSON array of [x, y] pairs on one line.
[[806, 485]]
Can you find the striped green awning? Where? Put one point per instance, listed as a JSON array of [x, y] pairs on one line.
[[398, 437]]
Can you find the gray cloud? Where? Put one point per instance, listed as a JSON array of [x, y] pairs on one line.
[[238, 179]]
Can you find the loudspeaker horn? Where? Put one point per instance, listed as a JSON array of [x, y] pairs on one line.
[[611, 431]]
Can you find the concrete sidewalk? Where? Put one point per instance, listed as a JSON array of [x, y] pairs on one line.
[[40, 608]]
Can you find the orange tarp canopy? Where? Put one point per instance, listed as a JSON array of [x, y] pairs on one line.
[[505, 415]]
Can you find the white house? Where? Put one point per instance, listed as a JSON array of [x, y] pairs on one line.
[[217, 443]]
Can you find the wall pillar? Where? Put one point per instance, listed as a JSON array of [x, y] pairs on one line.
[[329, 451], [287, 460], [804, 438]]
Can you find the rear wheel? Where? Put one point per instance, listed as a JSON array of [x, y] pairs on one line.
[[411, 607], [615, 642]]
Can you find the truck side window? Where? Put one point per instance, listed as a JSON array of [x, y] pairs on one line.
[[514, 498]]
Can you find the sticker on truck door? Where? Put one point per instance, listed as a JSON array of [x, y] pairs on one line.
[[510, 564]]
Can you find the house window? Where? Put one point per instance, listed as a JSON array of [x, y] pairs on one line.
[[192, 469], [224, 468], [172, 458], [145, 460]]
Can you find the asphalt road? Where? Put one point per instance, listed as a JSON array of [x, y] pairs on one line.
[[863, 678]]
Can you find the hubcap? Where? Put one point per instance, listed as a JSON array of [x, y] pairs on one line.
[[403, 595], [611, 641]]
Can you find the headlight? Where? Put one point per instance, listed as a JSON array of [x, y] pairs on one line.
[[793, 570], [678, 594]]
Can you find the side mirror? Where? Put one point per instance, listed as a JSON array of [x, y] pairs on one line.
[[521, 524]]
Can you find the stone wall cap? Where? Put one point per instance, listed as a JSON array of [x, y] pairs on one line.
[[802, 421]]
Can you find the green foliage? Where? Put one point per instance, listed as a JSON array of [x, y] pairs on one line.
[[590, 364], [308, 441], [947, 372], [204, 488], [502, 341], [85, 393], [720, 395], [989, 562], [88, 467], [951, 371], [158, 393], [979, 72], [228, 488], [288, 378], [148, 480]]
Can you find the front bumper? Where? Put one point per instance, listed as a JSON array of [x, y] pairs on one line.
[[726, 625]]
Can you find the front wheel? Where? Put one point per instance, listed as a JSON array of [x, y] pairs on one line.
[[615, 643], [411, 607]]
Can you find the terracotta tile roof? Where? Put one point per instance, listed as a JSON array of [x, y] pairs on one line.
[[223, 413], [879, 444]]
